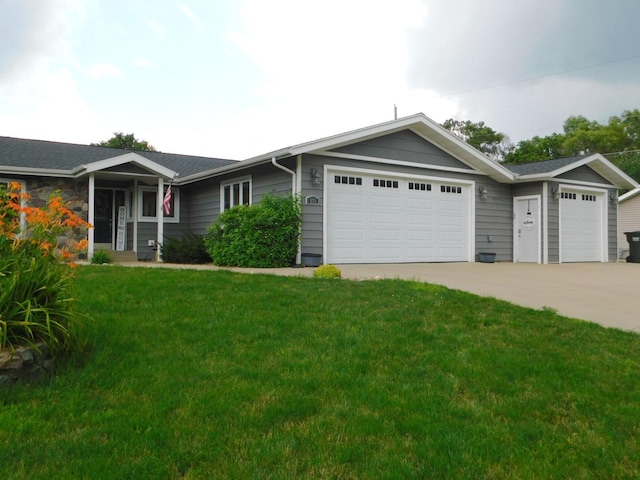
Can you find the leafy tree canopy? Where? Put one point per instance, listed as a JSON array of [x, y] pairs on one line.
[[493, 144], [126, 142], [618, 140]]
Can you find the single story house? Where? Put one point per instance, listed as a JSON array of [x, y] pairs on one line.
[[406, 190], [628, 219]]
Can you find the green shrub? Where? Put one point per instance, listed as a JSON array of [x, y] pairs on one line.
[[188, 249], [327, 271], [265, 235], [100, 257]]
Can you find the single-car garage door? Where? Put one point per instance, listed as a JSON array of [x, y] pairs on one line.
[[581, 225], [382, 219]]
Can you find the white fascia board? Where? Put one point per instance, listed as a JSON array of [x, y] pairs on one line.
[[629, 195], [130, 157], [47, 172], [597, 162], [401, 163]]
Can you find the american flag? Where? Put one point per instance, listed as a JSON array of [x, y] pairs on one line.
[[166, 203]]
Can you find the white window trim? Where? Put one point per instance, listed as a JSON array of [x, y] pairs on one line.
[[233, 181], [176, 204]]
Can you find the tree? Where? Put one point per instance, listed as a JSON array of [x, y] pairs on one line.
[[536, 149], [126, 142], [494, 144]]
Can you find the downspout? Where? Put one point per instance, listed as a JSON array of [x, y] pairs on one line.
[[294, 191], [291, 172]]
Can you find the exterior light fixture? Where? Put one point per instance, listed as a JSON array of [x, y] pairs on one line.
[[315, 176], [555, 192], [483, 192]]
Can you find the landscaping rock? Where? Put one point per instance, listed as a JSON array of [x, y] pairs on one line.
[[25, 364]]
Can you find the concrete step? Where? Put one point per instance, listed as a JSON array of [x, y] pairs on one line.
[[124, 256]]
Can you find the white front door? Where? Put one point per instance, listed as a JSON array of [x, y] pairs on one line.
[[526, 244]]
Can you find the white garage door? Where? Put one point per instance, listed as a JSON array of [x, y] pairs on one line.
[[581, 225], [380, 219]]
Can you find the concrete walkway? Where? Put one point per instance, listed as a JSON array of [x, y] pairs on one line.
[[605, 293]]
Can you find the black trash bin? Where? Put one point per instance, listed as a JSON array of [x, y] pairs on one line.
[[634, 246]]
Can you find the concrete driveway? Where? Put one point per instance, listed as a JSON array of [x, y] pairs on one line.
[[605, 293]]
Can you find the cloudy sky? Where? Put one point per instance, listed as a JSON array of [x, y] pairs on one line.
[[238, 78]]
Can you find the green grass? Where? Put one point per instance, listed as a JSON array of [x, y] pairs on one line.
[[202, 374]]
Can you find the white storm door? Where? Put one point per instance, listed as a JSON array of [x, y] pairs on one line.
[[527, 229]]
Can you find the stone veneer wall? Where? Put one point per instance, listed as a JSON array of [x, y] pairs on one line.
[[74, 193]]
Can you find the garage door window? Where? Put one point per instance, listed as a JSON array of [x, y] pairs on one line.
[[424, 187], [450, 189], [569, 196], [347, 180], [589, 198], [385, 183]]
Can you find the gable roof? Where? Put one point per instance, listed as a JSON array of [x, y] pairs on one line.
[[67, 159], [419, 124], [551, 169]]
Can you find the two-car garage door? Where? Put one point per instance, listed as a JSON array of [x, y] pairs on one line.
[[376, 218]]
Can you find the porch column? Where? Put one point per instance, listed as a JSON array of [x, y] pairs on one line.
[[92, 216], [160, 213], [134, 208]]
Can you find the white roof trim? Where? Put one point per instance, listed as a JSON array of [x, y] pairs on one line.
[[130, 157], [419, 124], [598, 164], [629, 195]]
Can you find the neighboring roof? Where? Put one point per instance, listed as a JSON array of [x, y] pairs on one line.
[[18, 154], [550, 169], [629, 195]]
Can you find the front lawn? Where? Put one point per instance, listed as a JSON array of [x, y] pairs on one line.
[[204, 374]]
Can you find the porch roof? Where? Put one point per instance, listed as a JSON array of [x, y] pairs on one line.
[[41, 157]]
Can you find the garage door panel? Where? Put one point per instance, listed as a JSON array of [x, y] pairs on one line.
[[385, 234], [396, 223], [581, 226], [349, 234]]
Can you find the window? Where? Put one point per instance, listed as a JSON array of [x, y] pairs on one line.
[[347, 180], [425, 187], [568, 196], [450, 189], [236, 192], [148, 205], [385, 183]]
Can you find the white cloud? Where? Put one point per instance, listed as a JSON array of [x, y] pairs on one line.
[[156, 28], [142, 62], [104, 70], [186, 11]]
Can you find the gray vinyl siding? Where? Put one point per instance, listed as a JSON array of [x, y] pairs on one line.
[[612, 225], [493, 216], [584, 174], [553, 228], [202, 199], [403, 146], [204, 205], [494, 219]]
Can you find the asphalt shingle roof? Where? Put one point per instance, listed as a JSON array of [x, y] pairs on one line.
[[546, 166], [46, 155]]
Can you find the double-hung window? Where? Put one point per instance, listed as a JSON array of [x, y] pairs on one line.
[[235, 192], [148, 205]]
